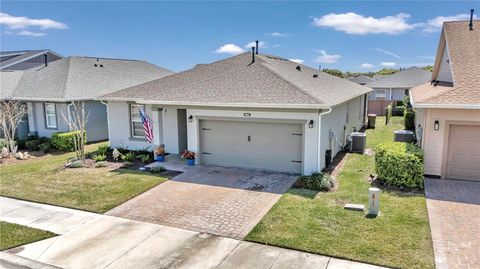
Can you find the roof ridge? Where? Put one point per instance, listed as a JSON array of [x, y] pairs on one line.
[[292, 84], [201, 81], [69, 59]]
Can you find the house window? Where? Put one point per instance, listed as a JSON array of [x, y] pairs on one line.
[[136, 121], [380, 94], [50, 116]]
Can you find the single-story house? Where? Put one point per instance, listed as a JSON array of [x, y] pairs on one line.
[[26, 59], [250, 110], [448, 108], [50, 90], [396, 86], [361, 79]]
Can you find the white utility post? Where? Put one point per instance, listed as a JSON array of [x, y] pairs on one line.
[[374, 201]]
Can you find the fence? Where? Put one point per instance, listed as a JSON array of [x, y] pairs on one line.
[[378, 106]]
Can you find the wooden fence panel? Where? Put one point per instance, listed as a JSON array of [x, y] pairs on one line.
[[378, 106]]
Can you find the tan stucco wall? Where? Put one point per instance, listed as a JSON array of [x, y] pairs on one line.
[[434, 142]]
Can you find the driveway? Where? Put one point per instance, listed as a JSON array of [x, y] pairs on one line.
[[216, 200], [454, 214]]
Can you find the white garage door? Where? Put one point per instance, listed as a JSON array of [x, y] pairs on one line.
[[263, 145], [463, 161]]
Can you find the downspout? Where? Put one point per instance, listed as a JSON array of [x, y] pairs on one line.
[[108, 119], [319, 168], [69, 115]]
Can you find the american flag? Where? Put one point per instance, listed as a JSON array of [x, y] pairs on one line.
[[147, 125]]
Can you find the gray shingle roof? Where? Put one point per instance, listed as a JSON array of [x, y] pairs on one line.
[[235, 81], [77, 78], [8, 82], [362, 79], [19, 56], [406, 78]]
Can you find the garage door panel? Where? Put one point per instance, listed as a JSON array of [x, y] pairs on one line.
[[463, 160], [274, 146]]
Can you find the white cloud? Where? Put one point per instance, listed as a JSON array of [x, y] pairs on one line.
[[278, 34], [298, 61], [327, 58], [29, 33], [435, 24], [276, 46], [366, 66], [388, 64], [389, 53], [230, 49], [427, 57], [357, 24], [261, 45], [14, 22]]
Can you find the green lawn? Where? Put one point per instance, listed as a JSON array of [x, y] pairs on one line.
[[13, 235], [304, 220], [93, 189]]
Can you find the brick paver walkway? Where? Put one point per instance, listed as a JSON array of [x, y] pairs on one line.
[[454, 214], [221, 201]]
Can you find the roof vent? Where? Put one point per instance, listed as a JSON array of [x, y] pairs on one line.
[[95, 65], [101, 65], [315, 75], [470, 25], [256, 46], [298, 68]]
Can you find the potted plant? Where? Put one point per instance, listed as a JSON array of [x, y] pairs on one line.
[[159, 153], [190, 156]]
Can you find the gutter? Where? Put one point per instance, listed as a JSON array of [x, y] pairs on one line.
[[319, 135], [242, 105]]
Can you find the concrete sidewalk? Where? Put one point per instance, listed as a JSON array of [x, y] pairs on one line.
[[98, 241]]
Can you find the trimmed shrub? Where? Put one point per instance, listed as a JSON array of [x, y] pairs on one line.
[[76, 164], [101, 164], [399, 164], [388, 114], [398, 111], [32, 145], [316, 182], [45, 147], [64, 141], [399, 103], [409, 119]]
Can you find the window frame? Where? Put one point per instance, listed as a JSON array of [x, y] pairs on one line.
[[384, 94], [48, 124], [136, 120]]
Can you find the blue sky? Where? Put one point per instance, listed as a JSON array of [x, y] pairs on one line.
[[348, 35]]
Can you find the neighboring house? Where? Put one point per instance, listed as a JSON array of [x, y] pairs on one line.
[[396, 86], [267, 113], [448, 108], [362, 79], [26, 59], [50, 90]]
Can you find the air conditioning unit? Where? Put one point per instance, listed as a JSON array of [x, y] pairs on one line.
[[358, 142]]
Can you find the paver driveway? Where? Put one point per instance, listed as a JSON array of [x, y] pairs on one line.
[[217, 200], [454, 214]]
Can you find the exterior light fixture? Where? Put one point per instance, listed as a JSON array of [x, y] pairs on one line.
[[190, 118], [310, 124], [436, 125]]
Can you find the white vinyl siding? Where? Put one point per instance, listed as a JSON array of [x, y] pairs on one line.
[[50, 116], [380, 94], [136, 121], [444, 71]]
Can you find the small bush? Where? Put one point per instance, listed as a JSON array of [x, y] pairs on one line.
[[45, 147], [158, 169], [101, 164], [76, 164], [3, 143], [144, 158], [409, 119], [398, 111], [316, 182], [399, 103], [399, 164], [99, 157], [388, 113], [128, 157], [32, 145], [127, 164], [103, 150], [64, 141]]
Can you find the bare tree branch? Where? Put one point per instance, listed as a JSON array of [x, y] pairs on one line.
[[11, 114]]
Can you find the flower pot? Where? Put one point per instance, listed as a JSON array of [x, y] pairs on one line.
[[191, 162], [160, 158]]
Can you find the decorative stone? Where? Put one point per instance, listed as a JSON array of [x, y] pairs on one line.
[[354, 207], [26, 156], [19, 155], [116, 154]]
